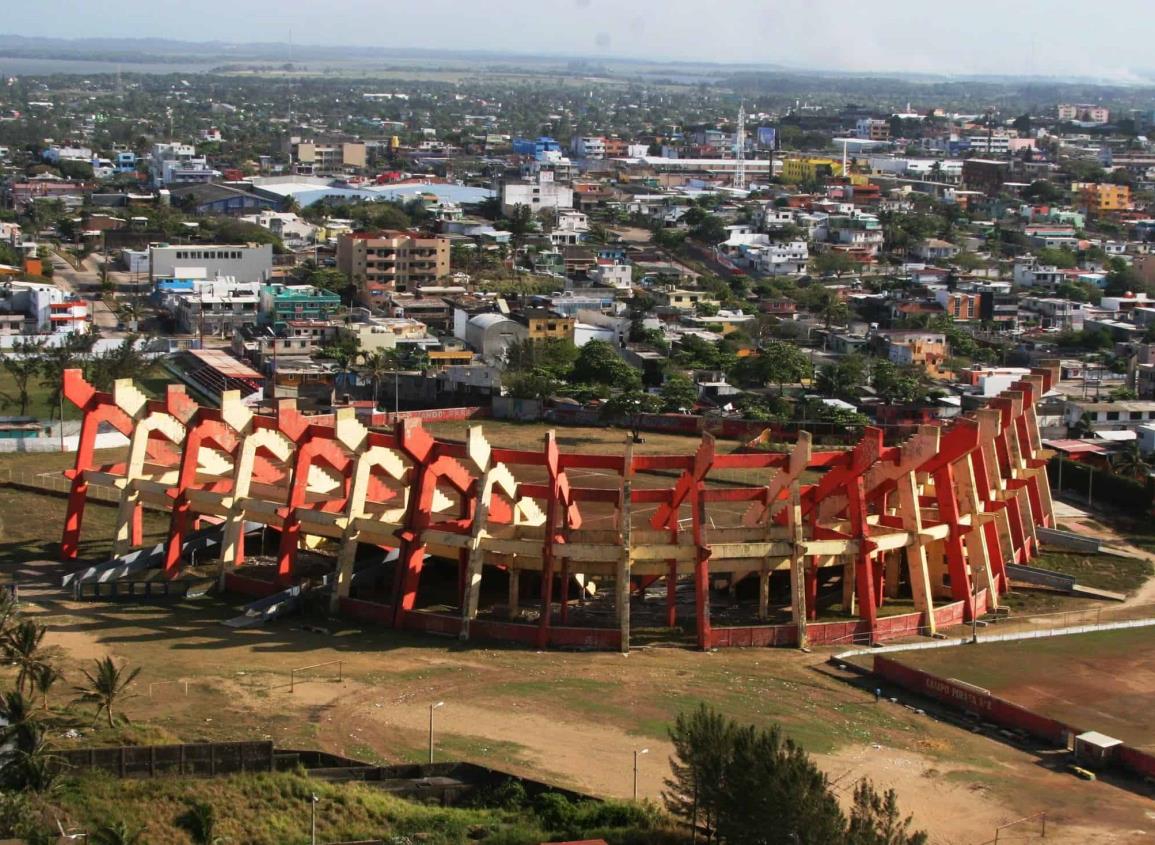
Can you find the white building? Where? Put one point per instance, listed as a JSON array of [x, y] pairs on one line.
[[615, 275], [173, 163], [34, 308], [570, 230], [251, 263], [210, 306], [286, 225], [589, 147], [541, 193]]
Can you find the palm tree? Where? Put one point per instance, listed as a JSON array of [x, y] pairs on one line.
[[22, 727], [106, 687], [1131, 463], [376, 366], [21, 645], [34, 770], [43, 680], [118, 833], [8, 612]]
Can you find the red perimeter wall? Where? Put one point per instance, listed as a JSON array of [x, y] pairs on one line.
[[1000, 711]]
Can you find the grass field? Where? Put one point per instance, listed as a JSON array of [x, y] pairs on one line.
[[152, 381], [1103, 681]]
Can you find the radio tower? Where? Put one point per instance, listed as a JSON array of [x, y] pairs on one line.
[[740, 150]]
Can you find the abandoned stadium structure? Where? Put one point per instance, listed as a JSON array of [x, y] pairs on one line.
[[926, 526]]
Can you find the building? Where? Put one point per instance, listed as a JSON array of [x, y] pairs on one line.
[[317, 158], [1084, 113], [382, 262], [798, 169], [1102, 197], [571, 229], [1110, 416], [30, 308], [543, 324], [490, 335], [215, 307], [962, 307], [280, 303], [935, 249], [926, 349], [683, 300], [173, 163], [246, 263], [1001, 310], [872, 129], [379, 334], [541, 193], [589, 147], [985, 175], [217, 198]]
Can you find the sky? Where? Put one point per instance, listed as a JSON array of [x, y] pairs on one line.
[[1063, 38]]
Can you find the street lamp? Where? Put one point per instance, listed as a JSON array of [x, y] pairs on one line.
[[637, 753], [313, 816], [432, 707]]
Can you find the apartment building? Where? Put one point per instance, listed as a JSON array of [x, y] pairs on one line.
[[796, 169], [589, 147], [1102, 197], [280, 303], [1084, 113], [381, 262], [321, 158], [536, 194], [209, 306], [175, 163], [872, 129]]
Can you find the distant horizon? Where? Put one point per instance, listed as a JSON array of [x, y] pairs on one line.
[[359, 54], [1058, 40]]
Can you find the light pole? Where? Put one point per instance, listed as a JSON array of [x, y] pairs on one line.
[[432, 707], [313, 817], [637, 754]]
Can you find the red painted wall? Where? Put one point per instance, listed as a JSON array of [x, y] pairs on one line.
[[246, 586], [367, 611], [990, 707]]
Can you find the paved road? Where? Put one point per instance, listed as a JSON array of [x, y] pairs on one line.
[[85, 282]]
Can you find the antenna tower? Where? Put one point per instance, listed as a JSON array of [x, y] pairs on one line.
[[740, 150]]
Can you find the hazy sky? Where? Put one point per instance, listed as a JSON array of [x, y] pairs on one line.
[[1108, 39]]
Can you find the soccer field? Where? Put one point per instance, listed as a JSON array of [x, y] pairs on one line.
[[1103, 681]]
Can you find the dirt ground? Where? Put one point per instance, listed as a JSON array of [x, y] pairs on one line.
[[575, 719]]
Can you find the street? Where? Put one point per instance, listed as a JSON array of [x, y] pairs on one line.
[[85, 283]]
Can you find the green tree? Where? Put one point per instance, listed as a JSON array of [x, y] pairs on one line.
[[22, 365], [598, 363], [876, 820], [531, 384], [106, 687], [781, 363], [901, 385], [843, 379], [832, 263], [679, 393], [695, 788]]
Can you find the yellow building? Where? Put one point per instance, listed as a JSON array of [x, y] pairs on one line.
[[543, 324], [1103, 197], [797, 169]]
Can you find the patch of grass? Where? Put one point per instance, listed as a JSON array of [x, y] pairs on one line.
[[1103, 572]]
